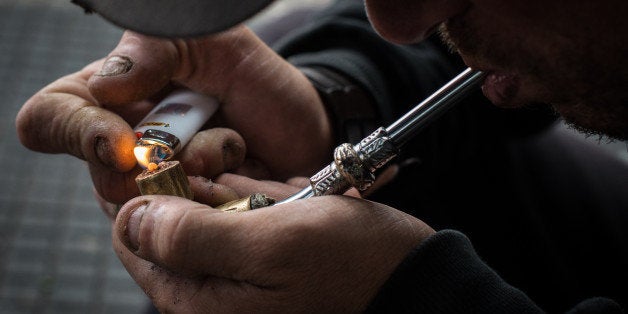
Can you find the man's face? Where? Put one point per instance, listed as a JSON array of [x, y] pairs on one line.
[[572, 54]]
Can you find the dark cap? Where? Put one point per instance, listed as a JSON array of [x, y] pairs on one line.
[[175, 18]]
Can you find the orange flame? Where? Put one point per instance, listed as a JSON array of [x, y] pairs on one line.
[[142, 154]]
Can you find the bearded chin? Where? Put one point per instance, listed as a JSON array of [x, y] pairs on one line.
[[596, 121]]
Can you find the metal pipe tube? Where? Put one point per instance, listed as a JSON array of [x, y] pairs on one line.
[[439, 102], [398, 133]]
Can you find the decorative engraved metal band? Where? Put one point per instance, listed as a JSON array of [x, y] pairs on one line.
[[355, 165], [377, 149], [329, 181]]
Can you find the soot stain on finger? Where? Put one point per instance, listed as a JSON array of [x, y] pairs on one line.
[[103, 151], [154, 268], [115, 65], [210, 185], [232, 155]]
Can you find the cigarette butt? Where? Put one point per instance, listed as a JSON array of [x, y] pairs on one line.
[[250, 202], [168, 178]]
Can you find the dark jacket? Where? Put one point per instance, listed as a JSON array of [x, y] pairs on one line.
[[546, 210]]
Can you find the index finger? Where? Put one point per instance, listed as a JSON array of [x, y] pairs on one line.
[[64, 118]]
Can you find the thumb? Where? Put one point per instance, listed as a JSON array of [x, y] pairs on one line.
[[180, 235], [141, 66], [136, 69]]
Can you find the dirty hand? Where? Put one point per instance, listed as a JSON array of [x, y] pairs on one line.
[[270, 104], [323, 254]]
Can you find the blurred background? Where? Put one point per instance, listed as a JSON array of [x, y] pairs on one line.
[[55, 252]]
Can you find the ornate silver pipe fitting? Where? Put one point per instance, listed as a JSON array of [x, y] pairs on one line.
[[355, 165]]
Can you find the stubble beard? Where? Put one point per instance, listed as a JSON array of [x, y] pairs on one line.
[[584, 87]]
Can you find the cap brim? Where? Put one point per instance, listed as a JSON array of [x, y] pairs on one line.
[[175, 18]]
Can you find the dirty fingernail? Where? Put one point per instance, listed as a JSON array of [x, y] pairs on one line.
[[103, 151], [232, 155], [115, 65], [133, 226]]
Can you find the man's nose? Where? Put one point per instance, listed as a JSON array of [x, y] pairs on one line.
[[408, 21]]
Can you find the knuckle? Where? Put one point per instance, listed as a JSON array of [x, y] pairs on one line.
[[78, 130], [177, 237], [29, 122], [50, 123], [214, 151], [114, 187], [276, 249]]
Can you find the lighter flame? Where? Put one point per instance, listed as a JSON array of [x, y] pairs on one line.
[[147, 152], [143, 155]]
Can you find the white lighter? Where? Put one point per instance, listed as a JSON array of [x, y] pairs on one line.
[[171, 125]]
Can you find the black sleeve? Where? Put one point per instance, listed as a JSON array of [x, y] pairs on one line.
[[445, 275]]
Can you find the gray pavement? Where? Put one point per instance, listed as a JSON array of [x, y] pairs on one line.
[[55, 251]]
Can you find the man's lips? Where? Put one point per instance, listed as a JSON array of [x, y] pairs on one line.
[[501, 88]]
